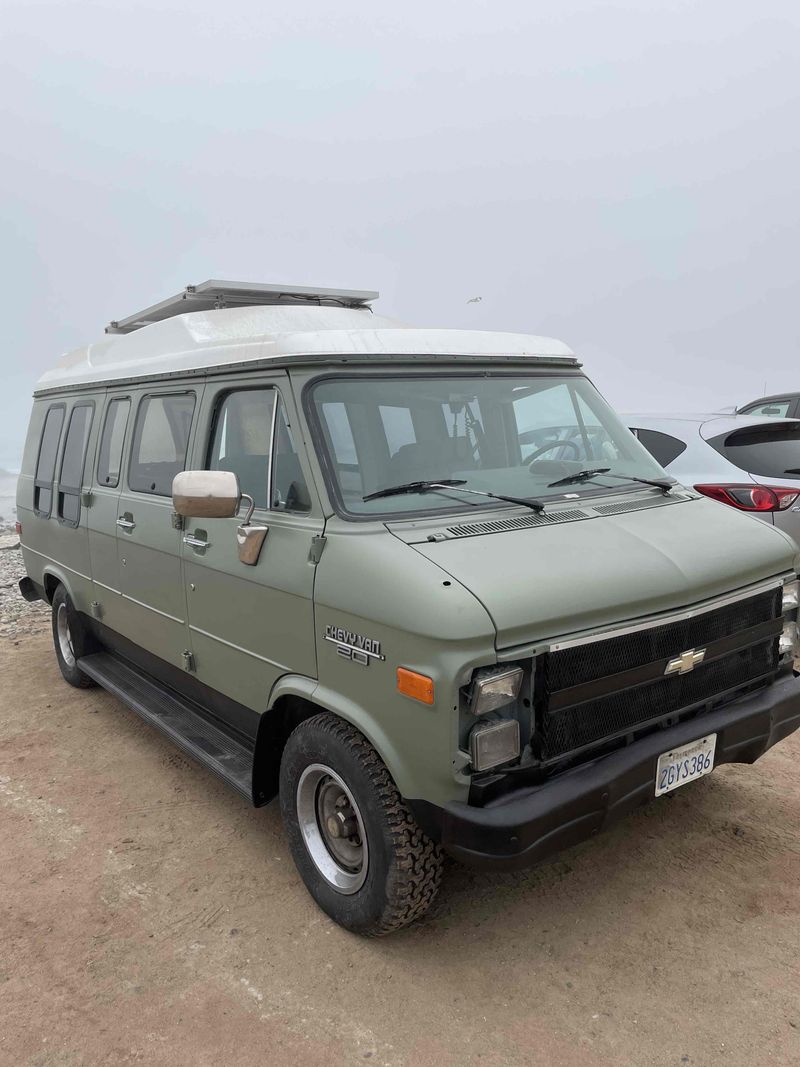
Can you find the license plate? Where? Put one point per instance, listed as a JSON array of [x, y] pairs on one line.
[[685, 764]]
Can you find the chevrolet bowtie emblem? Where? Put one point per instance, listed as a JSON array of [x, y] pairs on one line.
[[687, 661]]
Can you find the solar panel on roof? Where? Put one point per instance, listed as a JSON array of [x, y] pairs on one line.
[[213, 295]]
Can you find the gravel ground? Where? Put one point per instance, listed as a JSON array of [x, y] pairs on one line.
[[147, 915], [18, 618]]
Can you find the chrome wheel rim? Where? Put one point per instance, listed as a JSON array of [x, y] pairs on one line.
[[64, 636], [332, 828]]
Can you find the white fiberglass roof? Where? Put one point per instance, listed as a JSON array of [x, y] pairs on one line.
[[274, 335]]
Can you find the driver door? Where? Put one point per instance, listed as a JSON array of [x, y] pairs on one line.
[[249, 625]]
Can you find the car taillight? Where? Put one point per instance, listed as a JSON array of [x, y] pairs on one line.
[[752, 497], [18, 528]]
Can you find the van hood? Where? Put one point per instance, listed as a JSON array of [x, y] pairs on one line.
[[540, 583]]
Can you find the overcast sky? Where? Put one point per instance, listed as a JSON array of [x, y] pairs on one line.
[[624, 176]]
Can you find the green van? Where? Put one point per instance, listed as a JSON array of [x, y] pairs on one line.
[[423, 586]]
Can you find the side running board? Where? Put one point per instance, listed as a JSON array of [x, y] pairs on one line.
[[176, 717]]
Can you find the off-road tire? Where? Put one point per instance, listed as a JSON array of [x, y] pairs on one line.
[[404, 866], [79, 638]]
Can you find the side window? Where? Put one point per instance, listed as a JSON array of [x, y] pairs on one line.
[[289, 489], [46, 463], [661, 446], [337, 424], [775, 411], [398, 427], [240, 440], [547, 424], [342, 447], [160, 440], [109, 460], [72, 463]]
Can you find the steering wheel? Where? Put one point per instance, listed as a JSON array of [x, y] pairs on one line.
[[549, 448]]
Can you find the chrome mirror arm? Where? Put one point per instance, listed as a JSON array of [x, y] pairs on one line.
[[250, 538], [251, 507]]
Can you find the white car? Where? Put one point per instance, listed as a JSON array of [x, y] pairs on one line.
[[751, 463]]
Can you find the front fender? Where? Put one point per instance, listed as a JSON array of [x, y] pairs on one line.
[[330, 700]]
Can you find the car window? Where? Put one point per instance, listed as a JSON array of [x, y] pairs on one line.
[[662, 446], [72, 463], [557, 423], [340, 435], [160, 440], [769, 451], [398, 426], [241, 440], [513, 434], [46, 463], [777, 410], [109, 460], [289, 489]]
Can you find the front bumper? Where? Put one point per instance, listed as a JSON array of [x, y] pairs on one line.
[[527, 826]]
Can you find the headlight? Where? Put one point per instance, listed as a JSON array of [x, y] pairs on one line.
[[789, 644], [788, 641], [494, 689], [494, 744], [791, 597]]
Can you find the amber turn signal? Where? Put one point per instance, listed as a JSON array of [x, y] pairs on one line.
[[417, 686]]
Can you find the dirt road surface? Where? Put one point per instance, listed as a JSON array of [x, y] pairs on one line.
[[148, 916]]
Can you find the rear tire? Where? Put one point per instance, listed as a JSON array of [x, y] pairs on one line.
[[358, 849], [70, 639]]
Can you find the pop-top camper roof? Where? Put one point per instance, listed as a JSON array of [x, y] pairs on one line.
[[218, 325]]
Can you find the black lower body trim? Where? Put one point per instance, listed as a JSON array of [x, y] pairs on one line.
[[181, 721], [525, 827], [234, 718]]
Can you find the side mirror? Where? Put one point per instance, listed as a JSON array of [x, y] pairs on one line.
[[206, 494]]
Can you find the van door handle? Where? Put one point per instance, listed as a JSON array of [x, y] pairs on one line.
[[125, 524], [195, 542]]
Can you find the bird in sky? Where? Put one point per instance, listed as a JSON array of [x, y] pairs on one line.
[[475, 300]]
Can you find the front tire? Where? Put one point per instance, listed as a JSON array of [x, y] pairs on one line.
[[359, 851], [70, 639]]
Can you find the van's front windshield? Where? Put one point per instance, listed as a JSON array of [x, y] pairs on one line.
[[513, 435]]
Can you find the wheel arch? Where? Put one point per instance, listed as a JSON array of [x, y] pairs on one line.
[[52, 578], [293, 699]]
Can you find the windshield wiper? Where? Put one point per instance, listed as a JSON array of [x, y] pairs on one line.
[[589, 475], [580, 476], [452, 484]]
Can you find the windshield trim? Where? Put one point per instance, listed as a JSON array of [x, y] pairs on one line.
[[571, 494]]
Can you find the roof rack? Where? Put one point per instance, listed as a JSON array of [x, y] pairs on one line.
[[212, 295]]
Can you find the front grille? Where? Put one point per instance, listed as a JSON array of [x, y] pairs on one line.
[[594, 692]]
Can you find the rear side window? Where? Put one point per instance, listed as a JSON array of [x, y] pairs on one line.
[[662, 446], [777, 410], [109, 460], [160, 441], [72, 463], [46, 463], [769, 451]]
